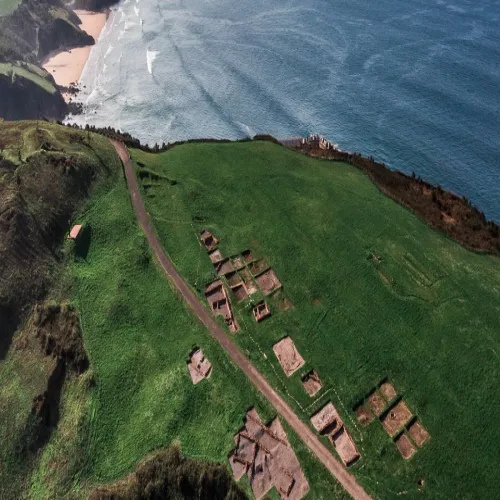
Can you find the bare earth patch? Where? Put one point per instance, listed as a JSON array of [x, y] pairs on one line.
[[395, 418], [223, 267], [312, 383], [208, 239], [345, 447], [220, 304], [405, 447], [233, 279], [215, 256], [240, 292], [327, 421], [199, 366], [377, 403], [265, 455], [247, 255], [364, 415], [238, 262], [268, 282], [418, 433], [388, 391], [288, 356], [248, 280], [257, 267]]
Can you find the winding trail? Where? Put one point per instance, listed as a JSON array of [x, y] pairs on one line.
[[346, 479]]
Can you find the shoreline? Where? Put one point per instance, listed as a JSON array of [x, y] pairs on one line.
[[66, 67]]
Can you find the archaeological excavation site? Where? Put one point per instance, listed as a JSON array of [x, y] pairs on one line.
[[401, 425], [264, 454]]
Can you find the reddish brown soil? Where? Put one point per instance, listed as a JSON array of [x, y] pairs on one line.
[[238, 262], [405, 447], [240, 292], [199, 366], [264, 453], [268, 282], [395, 418], [208, 239], [418, 433], [220, 305], [327, 419], [388, 391], [316, 302], [261, 311], [347, 480], [247, 255], [364, 415], [345, 447], [377, 403], [215, 256], [223, 267], [257, 267], [285, 304], [312, 383], [248, 280], [288, 356], [441, 209], [233, 279]]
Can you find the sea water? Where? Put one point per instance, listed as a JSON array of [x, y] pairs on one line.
[[414, 83]]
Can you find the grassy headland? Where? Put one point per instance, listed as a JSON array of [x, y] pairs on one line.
[[377, 294]]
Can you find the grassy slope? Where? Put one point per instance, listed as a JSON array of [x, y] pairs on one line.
[[8, 6], [138, 334], [426, 316], [35, 75], [24, 372]]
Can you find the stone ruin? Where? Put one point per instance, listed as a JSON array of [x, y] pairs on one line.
[[265, 455], [288, 356], [261, 311], [199, 366], [220, 304], [327, 422], [208, 239]]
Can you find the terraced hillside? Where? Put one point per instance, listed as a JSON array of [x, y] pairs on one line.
[[371, 296]]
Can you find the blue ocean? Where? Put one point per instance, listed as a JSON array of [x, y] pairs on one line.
[[414, 83]]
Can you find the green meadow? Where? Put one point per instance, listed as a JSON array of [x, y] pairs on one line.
[[377, 294], [138, 396]]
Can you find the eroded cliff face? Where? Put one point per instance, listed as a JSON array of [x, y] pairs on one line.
[[29, 34], [38, 27], [22, 99]]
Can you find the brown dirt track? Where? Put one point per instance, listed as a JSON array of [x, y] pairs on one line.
[[346, 479]]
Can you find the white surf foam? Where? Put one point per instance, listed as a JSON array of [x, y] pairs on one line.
[[151, 55]]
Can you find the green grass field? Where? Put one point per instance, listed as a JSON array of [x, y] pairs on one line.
[[30, 72], [8, 6], [377, 294], [138, 396]]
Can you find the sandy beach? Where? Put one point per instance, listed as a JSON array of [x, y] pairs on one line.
[[66, 67]]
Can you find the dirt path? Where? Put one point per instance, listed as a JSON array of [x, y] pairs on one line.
[[346, 479]]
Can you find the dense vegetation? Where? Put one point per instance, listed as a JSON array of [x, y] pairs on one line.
[[377, 294]]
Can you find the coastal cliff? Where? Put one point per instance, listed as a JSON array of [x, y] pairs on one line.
[[27, 99], [27, 36]]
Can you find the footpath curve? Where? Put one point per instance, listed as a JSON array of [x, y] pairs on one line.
[[345, 478]]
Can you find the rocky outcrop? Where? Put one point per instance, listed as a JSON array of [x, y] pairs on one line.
[[23, 99]]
